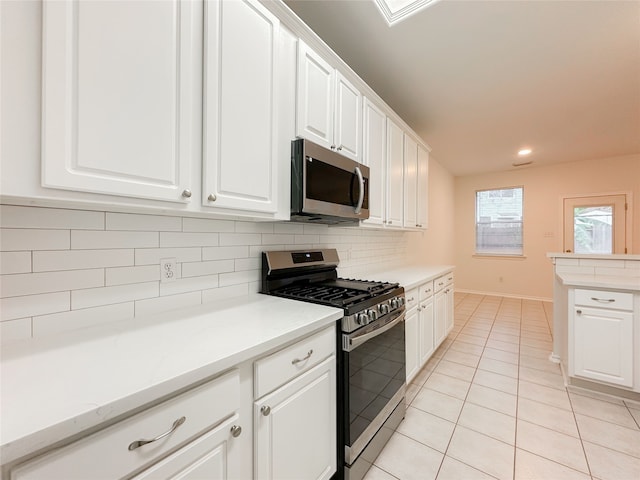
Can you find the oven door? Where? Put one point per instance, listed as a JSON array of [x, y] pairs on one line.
[[374, 363]]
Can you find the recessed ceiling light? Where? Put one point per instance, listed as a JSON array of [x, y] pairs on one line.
[[524, 151]]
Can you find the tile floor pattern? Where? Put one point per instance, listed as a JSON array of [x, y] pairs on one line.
[[490, 404]]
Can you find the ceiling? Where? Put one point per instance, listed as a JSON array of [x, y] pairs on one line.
[[478, 80]]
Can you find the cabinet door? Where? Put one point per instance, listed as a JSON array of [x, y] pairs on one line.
[[426, 331], [448, 322], [119, 97], [316, 98], [412, 344], [603, 345], [395, 174], [213, 456], [240, 134], [347, 130], [440, 315], [374, 156], [410, 181], [423, 187], [295, 427]]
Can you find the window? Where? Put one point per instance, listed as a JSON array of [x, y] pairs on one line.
[[499, 221]]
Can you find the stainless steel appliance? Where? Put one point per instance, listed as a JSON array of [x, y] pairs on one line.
[[370, 344], [327, 187]]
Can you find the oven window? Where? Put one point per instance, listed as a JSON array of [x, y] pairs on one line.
[[376, 372], [330, 184]]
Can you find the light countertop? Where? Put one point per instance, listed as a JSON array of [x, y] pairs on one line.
[[412, 276], [599, 281], [61, 385]]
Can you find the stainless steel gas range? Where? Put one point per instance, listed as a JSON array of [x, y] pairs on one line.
[[370, 345]]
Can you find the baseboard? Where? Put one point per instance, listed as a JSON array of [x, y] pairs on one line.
[[507, 295]]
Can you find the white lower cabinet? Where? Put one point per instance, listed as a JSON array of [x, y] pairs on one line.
[[601, 336], [295, 424], [425, 315], [412, 343], [192, 435], [443, 314]]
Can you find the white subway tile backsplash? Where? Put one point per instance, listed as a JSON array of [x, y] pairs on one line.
[[618, 272], [578, 270], [253, 263], [190, 284], [30, 305], [632, 265], [170, 302], [225, 293], [239, 277], [65, 269], [208, 225], [589, 262], [277, 239], [93, 297], [195, 269], [146, 223], [47, 261], [249, 227], [174, 239], [15, 262], [229, 239], [12, 330], [126, 275], [34, 283], [14, 216], [21, 239], [92, 240], [225, 253], [152, 256], [76, 319], [291, 228]]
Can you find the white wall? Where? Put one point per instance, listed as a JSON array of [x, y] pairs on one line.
[[544, 188]]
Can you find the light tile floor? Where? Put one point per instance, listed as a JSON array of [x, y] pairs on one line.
[[489, 404]]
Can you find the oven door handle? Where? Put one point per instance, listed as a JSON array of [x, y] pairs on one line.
[[350, 343]]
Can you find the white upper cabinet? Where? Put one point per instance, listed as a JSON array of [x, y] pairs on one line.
[[118, 97], [374, 155], [423, 187], [328, 105], [395, 175], [410, 181], [240, 149]]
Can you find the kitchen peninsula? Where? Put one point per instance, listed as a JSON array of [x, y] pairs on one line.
[[596, 328]]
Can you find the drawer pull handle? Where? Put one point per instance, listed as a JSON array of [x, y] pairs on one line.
[[603, 300], [140, 443], [410, 299], [236, 430], [265, 410], [579, 312], [295, 361]]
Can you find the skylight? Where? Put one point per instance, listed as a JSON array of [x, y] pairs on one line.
[[396, 10]]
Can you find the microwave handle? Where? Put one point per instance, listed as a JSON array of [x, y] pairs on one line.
[[361, 197]]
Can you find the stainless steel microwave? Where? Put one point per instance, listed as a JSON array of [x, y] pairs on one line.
[[327, 187]]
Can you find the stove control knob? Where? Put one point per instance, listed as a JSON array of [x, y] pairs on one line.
[[362, 319], [373, 314], [383, 308], [401, 301], [394, 303]]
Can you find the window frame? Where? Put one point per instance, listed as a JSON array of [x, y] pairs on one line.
[[496, 253]]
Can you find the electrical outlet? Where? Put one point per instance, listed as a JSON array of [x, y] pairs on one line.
[[168, 270]]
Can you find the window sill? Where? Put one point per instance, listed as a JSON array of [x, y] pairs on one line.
[[499, 255]]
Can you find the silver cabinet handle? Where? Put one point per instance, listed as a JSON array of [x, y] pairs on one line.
[[390, 222], [295, 361], [212, 198], [140, 443], [410, 299], [265, 410], [579, 312], [236, 430], [333, 147], [340, 148], [361, 195], [186, 193], [603, 300]]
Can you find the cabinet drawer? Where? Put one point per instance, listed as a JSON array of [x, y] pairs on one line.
[[412, 297], [426, 290], [106, 454], [442, 281], [280, 367], [604, 298]]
